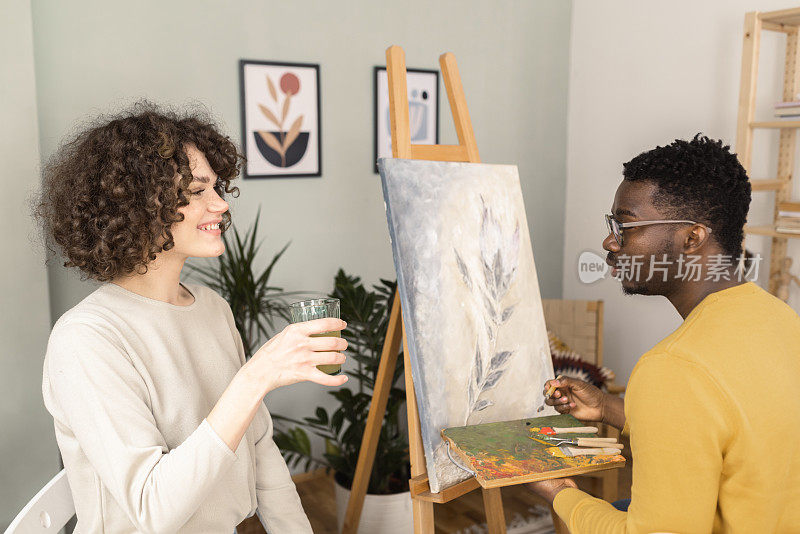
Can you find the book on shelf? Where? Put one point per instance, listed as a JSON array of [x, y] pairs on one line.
[[789, 210], [787, 109]]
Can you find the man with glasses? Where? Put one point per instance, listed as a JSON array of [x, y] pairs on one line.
[[712, 410]]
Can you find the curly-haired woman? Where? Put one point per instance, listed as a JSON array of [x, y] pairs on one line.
[[158, 416]]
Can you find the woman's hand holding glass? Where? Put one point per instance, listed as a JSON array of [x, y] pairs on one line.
[[293, 355]]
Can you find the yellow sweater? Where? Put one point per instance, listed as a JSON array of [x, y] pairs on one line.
[[713, 413]]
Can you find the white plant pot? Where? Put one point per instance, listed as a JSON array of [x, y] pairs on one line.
[[382, 514]]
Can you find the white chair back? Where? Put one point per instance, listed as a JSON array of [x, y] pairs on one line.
[[48, 511]]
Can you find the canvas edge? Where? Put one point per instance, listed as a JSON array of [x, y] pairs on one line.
[[419, 384]]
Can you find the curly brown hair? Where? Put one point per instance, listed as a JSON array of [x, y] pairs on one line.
[[110, 197]]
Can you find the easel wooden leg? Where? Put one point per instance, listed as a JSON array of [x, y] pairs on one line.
[[423, 517], [423, 510], [560, 526], [493, 504], [377, 410]]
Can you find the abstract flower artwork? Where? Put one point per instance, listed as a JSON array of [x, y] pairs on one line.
[[471, 303], [280, 119]]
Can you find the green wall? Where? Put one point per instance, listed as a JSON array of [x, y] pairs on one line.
[[28, 453], [92, 57]]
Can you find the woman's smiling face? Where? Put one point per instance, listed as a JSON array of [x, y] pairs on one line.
[[199, 234]]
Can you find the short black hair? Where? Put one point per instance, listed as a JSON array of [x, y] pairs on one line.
[[700, 180]]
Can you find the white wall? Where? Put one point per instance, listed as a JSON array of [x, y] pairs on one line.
[[28, 454], [641, 75], [93, 57]]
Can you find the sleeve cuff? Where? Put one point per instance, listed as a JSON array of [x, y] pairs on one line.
[[566, 500], [213, 437]]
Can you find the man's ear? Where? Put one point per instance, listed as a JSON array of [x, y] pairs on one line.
[[696, 239]]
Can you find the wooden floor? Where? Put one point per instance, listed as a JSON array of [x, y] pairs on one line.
[[316, 493]]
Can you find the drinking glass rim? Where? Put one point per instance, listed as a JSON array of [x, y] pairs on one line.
[[313, 302]]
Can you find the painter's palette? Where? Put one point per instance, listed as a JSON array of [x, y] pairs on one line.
[[507, 453]]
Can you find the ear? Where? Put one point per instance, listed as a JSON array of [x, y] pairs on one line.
[[696, 238]]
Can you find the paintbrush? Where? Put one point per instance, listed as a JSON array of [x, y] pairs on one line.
[[567, 452], [585, 442], [548, 394], [549, 430]]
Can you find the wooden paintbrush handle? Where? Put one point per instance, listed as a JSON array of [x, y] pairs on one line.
[[584, 452], [599, 442], [576, 430]]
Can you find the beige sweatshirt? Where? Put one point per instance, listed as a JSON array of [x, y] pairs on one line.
[[129, 381]]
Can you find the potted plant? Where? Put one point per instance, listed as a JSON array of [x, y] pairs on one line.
[[387, 507]]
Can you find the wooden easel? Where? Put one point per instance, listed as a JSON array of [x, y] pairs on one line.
[[465, 151]]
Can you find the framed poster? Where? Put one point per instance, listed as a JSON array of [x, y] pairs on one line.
[[423, 110], [280, 105]]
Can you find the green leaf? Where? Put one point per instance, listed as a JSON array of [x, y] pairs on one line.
[[331, 448], [322, 415]]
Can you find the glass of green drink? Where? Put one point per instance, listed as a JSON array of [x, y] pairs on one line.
[[308, 310]]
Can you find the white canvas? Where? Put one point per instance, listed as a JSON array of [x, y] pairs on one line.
[[471, 302]]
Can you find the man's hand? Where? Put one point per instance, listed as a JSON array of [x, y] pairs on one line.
[[549, 488], [577, 398], [586, 402]]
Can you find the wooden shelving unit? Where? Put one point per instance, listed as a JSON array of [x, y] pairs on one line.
[[775, 125], [784, 21], [769, 231]]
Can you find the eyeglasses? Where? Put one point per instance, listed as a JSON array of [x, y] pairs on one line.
[[615, 227]]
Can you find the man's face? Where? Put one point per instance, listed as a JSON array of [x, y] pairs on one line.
[[641, 261]]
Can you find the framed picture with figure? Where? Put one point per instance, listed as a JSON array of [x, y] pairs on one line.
[[280, 107], [423, 110]]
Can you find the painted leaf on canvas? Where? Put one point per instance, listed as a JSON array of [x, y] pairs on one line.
[[471, 303]]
